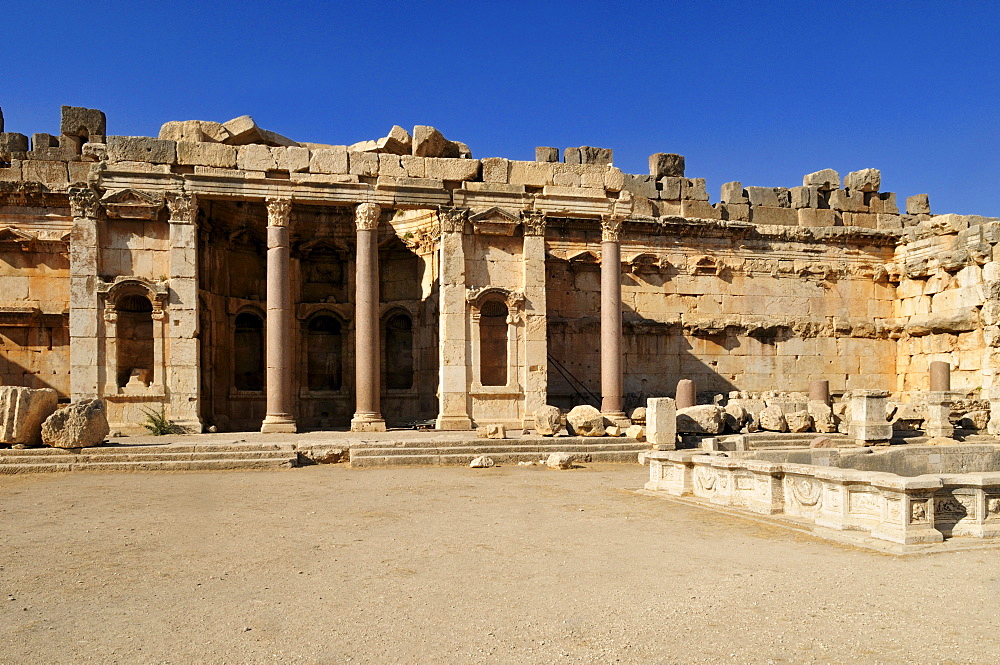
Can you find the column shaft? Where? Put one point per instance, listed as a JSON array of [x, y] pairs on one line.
[[367, 415], [279, 341], [611, 329]]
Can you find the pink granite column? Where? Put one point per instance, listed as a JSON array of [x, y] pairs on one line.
[[611, 318], [367, 415], [279, 416]]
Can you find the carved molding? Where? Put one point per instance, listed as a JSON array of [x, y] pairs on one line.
[[366, 216], [452, 220], [132, 204], [495, 222], [183, 207], [84, 202], [279, 211], [534, 222]]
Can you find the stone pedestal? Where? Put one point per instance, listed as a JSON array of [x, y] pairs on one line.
[[937, 421], [279, 418], [868, 424], [453, 400], [661, 423], [367, 414], [611, 320], [686, 394]]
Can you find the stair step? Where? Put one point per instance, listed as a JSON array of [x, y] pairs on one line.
[[507, 458], [141, 456], [483, 450], [156, 465]]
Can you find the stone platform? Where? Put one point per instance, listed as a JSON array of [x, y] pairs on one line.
[[254, 450]]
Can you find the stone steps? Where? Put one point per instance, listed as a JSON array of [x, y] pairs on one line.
[[506, 452], [199, 457], [759, 440]]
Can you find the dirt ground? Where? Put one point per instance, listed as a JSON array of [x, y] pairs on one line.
[[454, 565]]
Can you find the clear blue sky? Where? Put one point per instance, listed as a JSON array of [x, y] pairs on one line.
[[760, 92]]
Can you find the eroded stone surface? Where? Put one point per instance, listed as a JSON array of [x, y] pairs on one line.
[[82, 424], [585, 420]]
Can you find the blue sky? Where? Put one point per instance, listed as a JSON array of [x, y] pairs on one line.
[[757, 92]]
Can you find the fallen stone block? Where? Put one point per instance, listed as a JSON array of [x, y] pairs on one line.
[[320, 454], [560, 461], [585, 420], [83, 122], [83, 424], [735, 418], [548, 420], [492, 432], [194, 131], [398, 142], [613, 430], [637, 432], [700, 419], [638, 415], [22, 412], [977, 419], [481, 462], [822, 442], [772, 419], [799, 421]]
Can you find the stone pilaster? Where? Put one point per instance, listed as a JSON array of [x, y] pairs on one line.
[[279, 417], [83, 300], [535, 322], [367, 414], [611, 318], [453, 393], [182, 331]]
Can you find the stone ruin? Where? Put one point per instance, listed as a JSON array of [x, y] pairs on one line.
[[240, 279]]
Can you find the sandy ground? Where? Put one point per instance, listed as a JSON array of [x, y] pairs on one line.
[[454, 565]]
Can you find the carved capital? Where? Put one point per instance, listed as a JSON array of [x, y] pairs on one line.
[[534, 222], [84, 202], [366, 216], [452, 219], [611, 228], [183, 207], [279, 211]]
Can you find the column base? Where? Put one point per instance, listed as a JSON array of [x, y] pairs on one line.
[[367, 422], [454, 423], [618, 418], [278, 424]]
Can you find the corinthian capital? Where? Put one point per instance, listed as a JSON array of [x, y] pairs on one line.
[[183, 207], [279, 211], [84, 202], [366, 216], [611, 228], [452, 219], [534, 222]]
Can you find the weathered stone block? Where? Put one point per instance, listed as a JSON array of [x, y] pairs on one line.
[[429, 142], [11, 173], [641, 185], [329, 160], [194, 131], [865, 180], [847, 201], [884, 202], [297, 159], [50, 173], [363, 163], [865, 220], [560, 461], [533, 174], [255, 157], [799, 421], [546, 154], [22, 412], [82, 122], [452, 169], [398, 142], [666, 164], [79, 425], [613, 179], [817, 217], [889, 222], [762, 196], [772, 215], [918, 204], [700, 210], [79, 171], [11, 142], [141, 149], [732, 192], [243, 131], [772, 419], [206, 154], [694, 189], [495, 169], [825, 180], [804, 197], [670, 188], [737, 212], [661, 423]]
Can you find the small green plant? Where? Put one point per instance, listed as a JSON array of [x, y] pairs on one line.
[[158, 424]]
